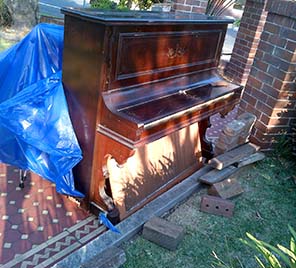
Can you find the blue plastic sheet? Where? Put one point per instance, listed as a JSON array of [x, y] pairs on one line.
[[104, 220], [35, 128]]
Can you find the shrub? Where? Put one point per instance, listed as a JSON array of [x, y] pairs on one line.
[[274, 257], [5, 16]]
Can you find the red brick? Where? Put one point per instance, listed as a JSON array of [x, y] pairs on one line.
[[264, 77], [259, 95], [182, 7], [180, 1], [198, 10], [265, 36], [291, 46], [255, 16], [270, 91], [242, 42], [266, 46], [260, 65], [250, 99], [193, 2], [288, 33], [261, 126], [276, 40], [253, 82], [290, 76], [272, 28], [288, 86], [284, 54], [283, 21], [277, 129], [264, 119], [276, 72], [276, 62], [264, 108], [279, 122]]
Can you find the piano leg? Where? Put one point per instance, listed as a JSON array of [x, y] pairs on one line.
[[206, 145]]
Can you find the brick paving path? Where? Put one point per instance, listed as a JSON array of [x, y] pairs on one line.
[[38, 226]]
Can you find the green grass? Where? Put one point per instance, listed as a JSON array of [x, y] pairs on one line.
[[265, 209], [4, 44]]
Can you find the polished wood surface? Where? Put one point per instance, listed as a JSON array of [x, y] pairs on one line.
[[140, 92]]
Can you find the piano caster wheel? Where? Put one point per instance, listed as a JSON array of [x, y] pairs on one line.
[[21, 185], [113, 216]]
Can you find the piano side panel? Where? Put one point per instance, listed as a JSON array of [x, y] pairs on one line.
[[154, 168], [83, 62]]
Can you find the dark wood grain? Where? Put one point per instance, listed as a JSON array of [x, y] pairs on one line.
[[140, 93]]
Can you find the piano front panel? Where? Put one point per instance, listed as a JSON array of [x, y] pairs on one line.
[[153, 168], [164, 52], [143, 56]]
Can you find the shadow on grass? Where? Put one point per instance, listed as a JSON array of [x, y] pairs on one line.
[[265, 209]]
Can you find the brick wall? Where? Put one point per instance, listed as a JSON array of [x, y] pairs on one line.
[[195, 6], [270, 91], [247, 40]]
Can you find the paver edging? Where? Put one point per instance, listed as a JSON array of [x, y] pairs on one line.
[[133, 224]]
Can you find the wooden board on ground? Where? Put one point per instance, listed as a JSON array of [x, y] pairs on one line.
[[251, 159], [224, 160], [215, 175], [216, 205], [226, 189]]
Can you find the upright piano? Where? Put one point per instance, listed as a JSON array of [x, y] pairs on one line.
[[141, 87]]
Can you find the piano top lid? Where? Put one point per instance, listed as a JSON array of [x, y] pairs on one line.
[[109, 16]]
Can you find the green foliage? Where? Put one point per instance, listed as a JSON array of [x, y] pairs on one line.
[[103, 4], [237, 22], [274, 257], [283, 147], [217, 7], [5, 16], [123, 4]]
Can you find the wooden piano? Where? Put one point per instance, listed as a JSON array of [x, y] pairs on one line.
[[141, 87]]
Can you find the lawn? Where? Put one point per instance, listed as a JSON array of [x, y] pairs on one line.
[[4, 44], [265, 209]]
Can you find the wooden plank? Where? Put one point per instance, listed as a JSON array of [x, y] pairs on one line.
[[216, 205], [215, 175], [251, 159], [226, 189], [224, 160]]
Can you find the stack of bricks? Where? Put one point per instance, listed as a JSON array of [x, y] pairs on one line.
[[247, 41], [190, 6], [270, 92], [235, 133]]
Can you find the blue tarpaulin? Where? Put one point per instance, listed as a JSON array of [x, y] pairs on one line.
[[35, 128]]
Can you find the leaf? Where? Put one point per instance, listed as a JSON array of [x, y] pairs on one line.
[[293, 246], [287, 252], [282, 255], [293, 233], [260, 262], [260, 246]]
